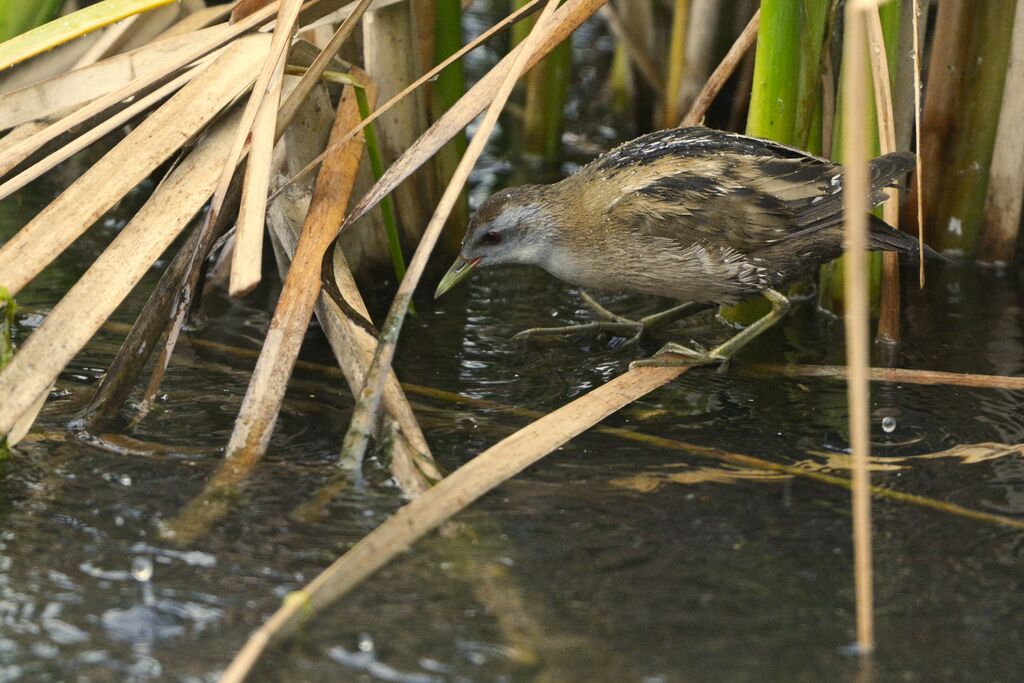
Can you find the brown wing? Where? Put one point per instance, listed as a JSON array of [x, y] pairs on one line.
[[743, 201]]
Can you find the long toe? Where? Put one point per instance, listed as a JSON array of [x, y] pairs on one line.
[[677, 355]]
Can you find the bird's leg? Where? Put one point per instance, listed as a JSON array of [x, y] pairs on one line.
[[673, 354], [614, 323]]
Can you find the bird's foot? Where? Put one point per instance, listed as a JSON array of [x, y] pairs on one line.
[[631, 330], [674, 355]]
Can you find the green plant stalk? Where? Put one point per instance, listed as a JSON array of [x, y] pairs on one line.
[[962, 204], [785, 100], [9, 307], [387, 208], [18, 16], [376, 163], [547, 90], [445, 92]]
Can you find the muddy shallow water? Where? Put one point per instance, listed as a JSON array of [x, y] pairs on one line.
[[615, 559]]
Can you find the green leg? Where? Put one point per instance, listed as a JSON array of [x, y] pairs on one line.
[[673, 354], [614, 323]]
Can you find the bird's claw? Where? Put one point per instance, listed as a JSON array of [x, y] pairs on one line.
[[677, 355]]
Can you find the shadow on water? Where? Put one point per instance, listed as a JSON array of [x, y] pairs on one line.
[[609, 561]]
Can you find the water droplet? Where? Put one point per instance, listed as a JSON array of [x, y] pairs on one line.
[[142, 569], [888, 424], [365, 642], [125, 480]]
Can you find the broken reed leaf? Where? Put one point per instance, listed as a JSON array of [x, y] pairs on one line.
[[147, 146], [74, 88], [76, 145], [71, 26], [197, 21], [83, 310], [172, 294], [451, 495], [262, 402], [288, 11], [319, 65], [247, 257], [14, 154], [411, 462], [460, 115], [542, 38]]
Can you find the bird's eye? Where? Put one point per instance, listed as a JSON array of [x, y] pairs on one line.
[[491, 237]]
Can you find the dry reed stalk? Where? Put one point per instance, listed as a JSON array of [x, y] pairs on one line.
[[452, 494], [379, 111], [247, 260], [722, 73], [133, 159], [262, 401], [856, 203], [106, 44], [892, 375], [705, 24], [569, 16], [168, 305], [389, 51], [1006, 178], [76, 145], [918, 162], [888, 332], [196, 21], [287, 13], [83, 310], [312, 76], [15, 154], [412, 463], [74, 88], [301, 288], [367, 408]]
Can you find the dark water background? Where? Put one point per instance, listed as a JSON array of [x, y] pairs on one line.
[[611, 560]]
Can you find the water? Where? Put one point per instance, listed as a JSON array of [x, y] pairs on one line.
[[610, 560]]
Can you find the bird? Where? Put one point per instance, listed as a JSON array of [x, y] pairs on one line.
[[699, 215]]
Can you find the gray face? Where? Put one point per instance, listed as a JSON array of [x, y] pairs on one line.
[[508, 228]]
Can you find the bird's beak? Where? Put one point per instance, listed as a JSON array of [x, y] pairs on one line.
[[459, 270]]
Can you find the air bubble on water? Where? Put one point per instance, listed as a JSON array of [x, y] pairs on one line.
[[125, 480], [142, 569], [365, 643], [888, 424]]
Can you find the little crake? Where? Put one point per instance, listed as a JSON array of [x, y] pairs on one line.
[[693, 214]]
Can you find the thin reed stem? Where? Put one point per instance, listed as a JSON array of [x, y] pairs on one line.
[[855, 199]]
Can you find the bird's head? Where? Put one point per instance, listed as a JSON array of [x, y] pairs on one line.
[[511, 226]]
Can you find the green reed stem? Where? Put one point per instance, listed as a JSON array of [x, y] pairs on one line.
[[785, 101], [445, 92], [547, 91], [830, 277], [387, 207], [961, 206]]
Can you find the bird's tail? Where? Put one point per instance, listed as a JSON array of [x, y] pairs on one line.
[[884, 237], [884, 172]]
